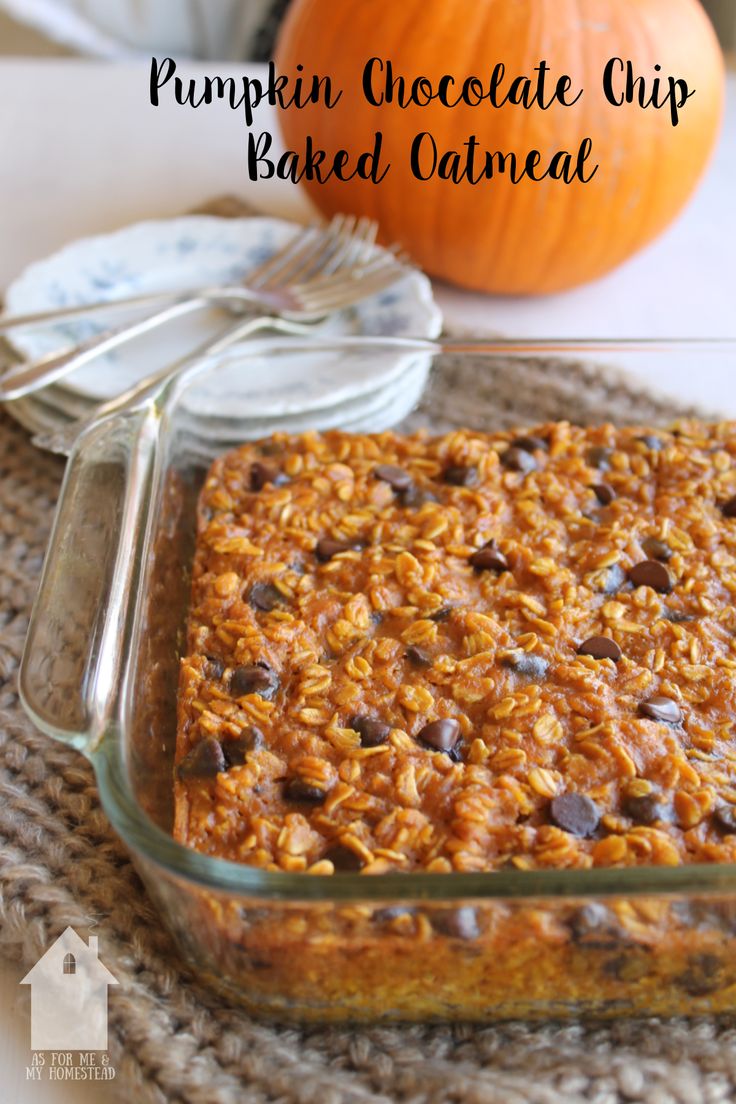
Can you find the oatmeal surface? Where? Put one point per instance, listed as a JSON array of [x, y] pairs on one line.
[[464, 653]]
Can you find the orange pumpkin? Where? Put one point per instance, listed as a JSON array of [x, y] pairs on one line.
[[496, 236]]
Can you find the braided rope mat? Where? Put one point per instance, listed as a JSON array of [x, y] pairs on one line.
[[170, 1040]]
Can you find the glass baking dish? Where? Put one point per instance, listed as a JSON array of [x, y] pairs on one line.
[[100, 673]]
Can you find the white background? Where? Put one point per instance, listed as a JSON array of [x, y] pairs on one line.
[[84, 152]]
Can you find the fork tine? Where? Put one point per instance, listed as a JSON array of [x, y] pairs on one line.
[[360, 249], [305, 244], [356, 265], [349, 291], [352, 247], [354, 272], [373, 284], [352, 295], [368, 236], [310, 246], [381, 268], [314, 290], [257, 275], [355, 242], [330, 256], [354, 239], [310, 257]]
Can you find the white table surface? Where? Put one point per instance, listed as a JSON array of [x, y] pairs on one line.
[[84, 152]]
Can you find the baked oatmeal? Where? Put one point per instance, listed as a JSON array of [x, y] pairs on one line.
[[464, 653]]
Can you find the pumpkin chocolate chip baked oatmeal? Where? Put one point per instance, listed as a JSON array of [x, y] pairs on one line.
[[464, 652], [471, 653]]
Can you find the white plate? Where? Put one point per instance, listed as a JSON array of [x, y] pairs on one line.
[[410, 380], [183, 253], [305, 382], [388, 409], [36, 415]]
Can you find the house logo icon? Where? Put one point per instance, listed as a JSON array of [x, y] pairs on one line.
[[69, 996]]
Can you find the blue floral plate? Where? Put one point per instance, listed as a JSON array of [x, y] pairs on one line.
[[190, 252]]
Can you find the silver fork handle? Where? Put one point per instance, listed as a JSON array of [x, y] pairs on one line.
[[215, 292], [10, 322], [40, 373], [61, 440]]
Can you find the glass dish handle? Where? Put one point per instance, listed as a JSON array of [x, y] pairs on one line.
[[74, 654]]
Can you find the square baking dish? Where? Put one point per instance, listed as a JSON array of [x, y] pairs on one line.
[[100, 672]]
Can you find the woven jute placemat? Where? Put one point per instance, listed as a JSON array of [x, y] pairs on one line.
[[170, 1040]]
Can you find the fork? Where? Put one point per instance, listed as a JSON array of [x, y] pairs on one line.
[[289, 283], [332, 293]]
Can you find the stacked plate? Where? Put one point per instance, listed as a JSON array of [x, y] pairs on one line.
[[239, 398]]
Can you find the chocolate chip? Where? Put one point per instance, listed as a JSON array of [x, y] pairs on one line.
[[599, 457], [489, 558], [631, 965], [651, 442], [442, 614], [257, 678], [205, 760], [296, 789], [657, 549], [661, 709], [261, 474], [251, 738], [677, 616], [235, 751], [396, 477], [418, 496], [344, 859], [575, 813], [653, 574], [215, 667], [523, 663], [642, 808], [460, 476], [614, 579], [594, 925], [518, 460], [530, 444], [265, 597], [724, 819], [271, 448], [700, 978], [371, 730], [326, 548], [728, 509], [708, 964], [418, 657], [459, 923], [604, 493], [705, 915], [600, 647], [441, 735]]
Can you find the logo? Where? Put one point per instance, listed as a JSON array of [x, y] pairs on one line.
[[69, 987]]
